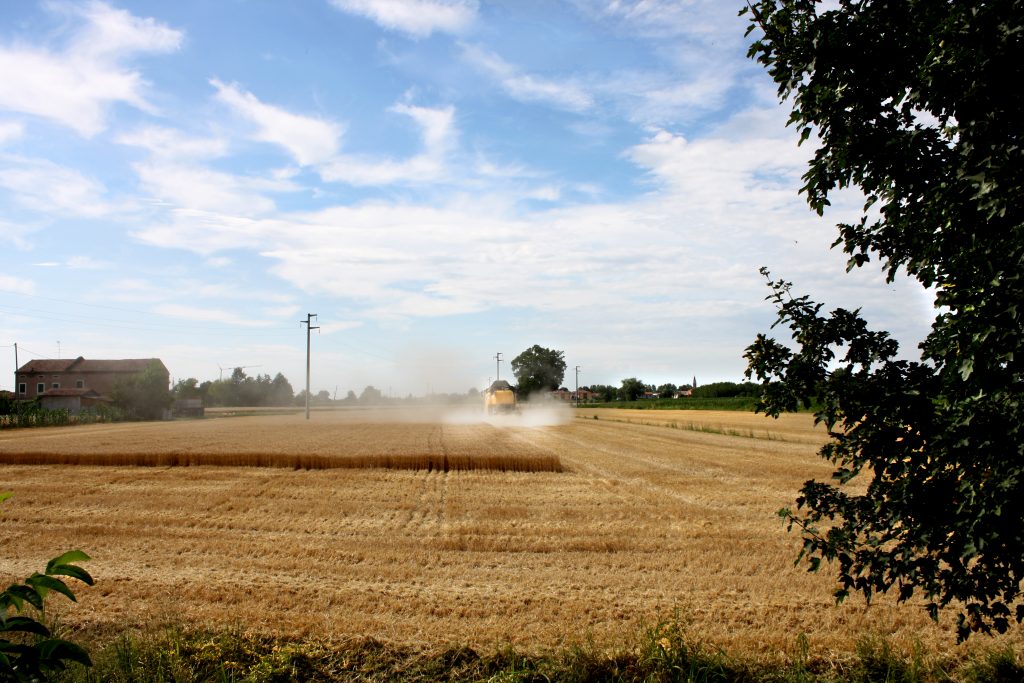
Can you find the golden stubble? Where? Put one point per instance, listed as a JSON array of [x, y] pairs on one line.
[[646, 521]]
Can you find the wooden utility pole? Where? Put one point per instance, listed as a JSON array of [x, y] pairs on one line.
[[497, 363], [308, 322]]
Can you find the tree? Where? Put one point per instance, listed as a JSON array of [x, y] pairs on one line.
[[370, 395], [912, 103], [281, 392], [667, 390], [187, 388], [538, 369], [144, 394], [632, 389]]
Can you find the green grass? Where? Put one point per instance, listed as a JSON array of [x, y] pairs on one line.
[[665, 652]]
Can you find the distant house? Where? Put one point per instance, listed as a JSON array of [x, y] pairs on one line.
[[570, 396], [42, 378]]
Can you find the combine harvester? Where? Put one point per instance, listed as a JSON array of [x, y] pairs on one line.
[[499, 398]]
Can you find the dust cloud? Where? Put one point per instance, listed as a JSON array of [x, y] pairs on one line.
[[537, 414]]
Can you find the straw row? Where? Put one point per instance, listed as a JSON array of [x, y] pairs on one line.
[[297, 461]]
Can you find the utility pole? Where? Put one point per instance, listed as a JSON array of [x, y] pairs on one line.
[[577, 386], [16, 368], [497, 364], [308, 322]]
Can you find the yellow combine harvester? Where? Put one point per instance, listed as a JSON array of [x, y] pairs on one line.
[[499, 398]]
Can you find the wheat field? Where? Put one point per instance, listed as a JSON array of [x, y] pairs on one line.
[[635, 516]]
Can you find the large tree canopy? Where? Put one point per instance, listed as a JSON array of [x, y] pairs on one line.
[[919, 105], [538, 369]]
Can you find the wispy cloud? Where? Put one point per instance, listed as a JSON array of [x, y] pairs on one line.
[[10, 130], [307, 139], [18, 285], [167, 143], [46, 187], [521, 85], [198, 188], [438, 133], [73, 85], [418, 18], [199, 314]]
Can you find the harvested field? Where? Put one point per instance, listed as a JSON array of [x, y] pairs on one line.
[[644, 521], [338, 440]]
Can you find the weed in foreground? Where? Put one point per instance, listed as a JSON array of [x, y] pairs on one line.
[[662, 653]]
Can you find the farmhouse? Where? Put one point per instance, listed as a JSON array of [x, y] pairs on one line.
[[89, 381]]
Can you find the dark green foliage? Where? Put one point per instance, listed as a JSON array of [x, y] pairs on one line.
[[30, 414], [144, 395], [738, 403], [667, 390], [240, 390], [538, 369], [916, 104], [631, 389], [727, 390], [605, 392], [28, 650]]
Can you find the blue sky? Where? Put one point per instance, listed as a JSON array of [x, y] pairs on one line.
[[438, 180]]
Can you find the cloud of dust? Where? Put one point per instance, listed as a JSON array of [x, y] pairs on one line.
[[530, 414]]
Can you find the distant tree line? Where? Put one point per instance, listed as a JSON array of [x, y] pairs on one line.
[[238, 390], [633, 389]]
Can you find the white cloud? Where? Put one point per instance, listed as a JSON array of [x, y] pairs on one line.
[[199, 314], [10, 130], [9, 283], [438, 133], [418, 18], [73, 86], [86, 263], [528, 87], [17, 233], [197, 188], [167, 143], [44, 186], [705, 20], [307, 139]]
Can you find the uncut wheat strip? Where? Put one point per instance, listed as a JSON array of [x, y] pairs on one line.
[[297, 461]]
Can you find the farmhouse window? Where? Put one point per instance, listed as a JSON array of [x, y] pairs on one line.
[[79, 384], [55, 385], [22, 388], [40, 388]]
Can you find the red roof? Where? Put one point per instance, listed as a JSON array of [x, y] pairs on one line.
[[80, 364], [47, 365]]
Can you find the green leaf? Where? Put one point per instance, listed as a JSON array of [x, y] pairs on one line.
[[25, 625], [44, 583], [55, 650], [66, 558], [74, 572], [20, 593]]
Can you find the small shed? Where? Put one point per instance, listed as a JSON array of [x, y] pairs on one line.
[[72, 400]]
